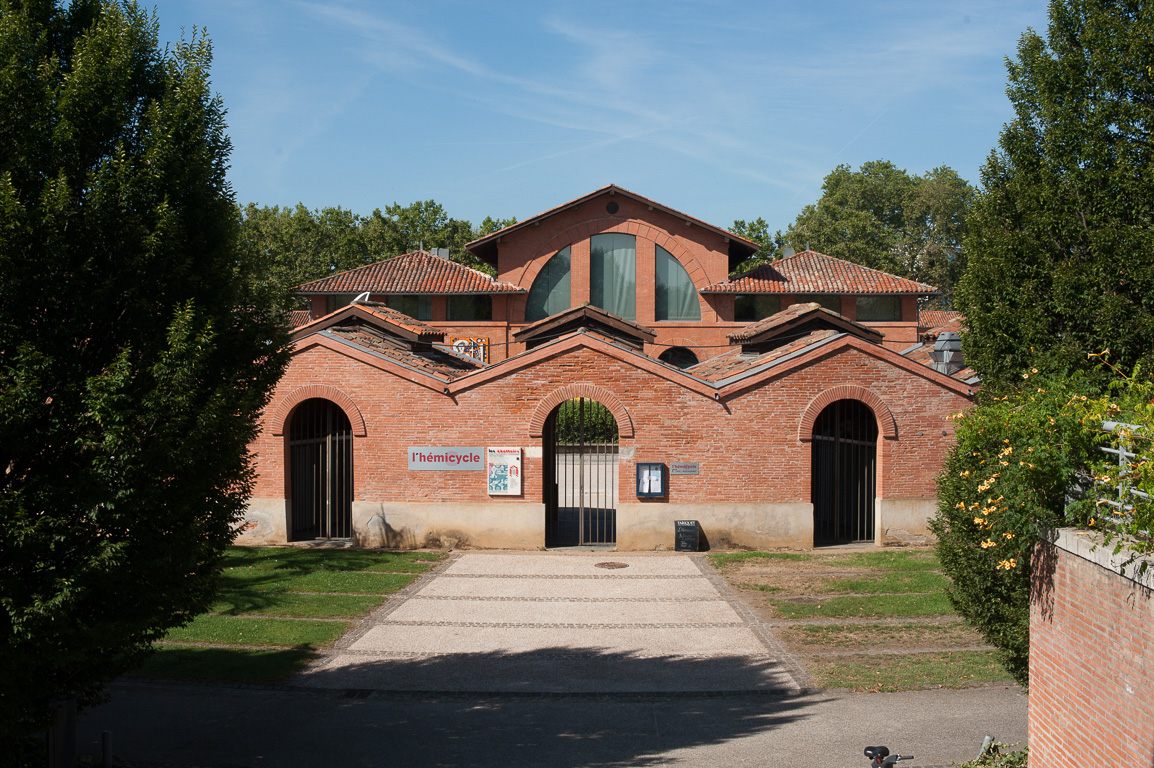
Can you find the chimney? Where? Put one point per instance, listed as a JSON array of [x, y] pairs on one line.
[[440, 253], [787, 252]]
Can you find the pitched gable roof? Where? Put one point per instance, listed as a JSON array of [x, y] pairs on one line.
[[585, 316], [396, 323], [485, 248], [798, 317], [813, 272], [418, 272]]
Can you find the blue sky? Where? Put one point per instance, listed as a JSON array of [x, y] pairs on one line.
[[722, 109]]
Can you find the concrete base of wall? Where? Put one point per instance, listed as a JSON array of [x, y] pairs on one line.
[[640, 525], [643, 526], [515, 525], [265, 522], [904, 522]]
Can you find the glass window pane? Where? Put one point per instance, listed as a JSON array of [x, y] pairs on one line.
[[879, 308], [613, 273], [470, 308], [338, 300], [418, 307], [755, 306], [832, 303], [676, 297], [550, 292]]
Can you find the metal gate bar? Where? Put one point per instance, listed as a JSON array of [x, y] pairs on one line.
[[320, 471], [844, 483], [581, 500]]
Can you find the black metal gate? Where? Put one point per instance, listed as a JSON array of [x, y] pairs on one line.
[[844, 473], [580, 475], [320, 472]]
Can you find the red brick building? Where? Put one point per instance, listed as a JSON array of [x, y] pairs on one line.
[[628, 383]]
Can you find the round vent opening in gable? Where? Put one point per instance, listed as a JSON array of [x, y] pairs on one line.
[[612, 207]]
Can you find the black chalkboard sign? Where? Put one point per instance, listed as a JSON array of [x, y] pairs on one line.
[[686, 536]]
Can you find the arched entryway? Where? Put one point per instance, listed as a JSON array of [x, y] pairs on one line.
[[320, 471], [844, 478], [580, 474]]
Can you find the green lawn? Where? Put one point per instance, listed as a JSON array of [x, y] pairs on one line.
[[879, 606], [283, 603], [927, 647], [902, 672]]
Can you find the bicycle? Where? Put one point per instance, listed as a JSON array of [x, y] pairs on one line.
[[880, 756]]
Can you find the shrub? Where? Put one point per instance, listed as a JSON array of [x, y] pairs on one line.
[[1004, 484]]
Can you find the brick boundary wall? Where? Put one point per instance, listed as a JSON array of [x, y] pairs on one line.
[[1091, 655]]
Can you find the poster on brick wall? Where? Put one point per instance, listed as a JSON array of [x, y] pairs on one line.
[[477, 347], [503, 470]]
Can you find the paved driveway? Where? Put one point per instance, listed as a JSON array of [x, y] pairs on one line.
[[580, 622], [559, 659]]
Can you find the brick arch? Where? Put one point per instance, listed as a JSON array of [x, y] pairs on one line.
[[887, 427], [583, 230], [573, 391], [325, 392]]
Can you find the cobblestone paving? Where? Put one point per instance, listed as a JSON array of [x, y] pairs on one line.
[[588, 622]]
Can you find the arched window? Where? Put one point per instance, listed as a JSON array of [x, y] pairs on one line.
[[613, 273], [550, 292], [679, 357], [676, 297]]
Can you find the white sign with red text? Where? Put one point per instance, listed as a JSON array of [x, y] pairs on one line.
[[447, 459]]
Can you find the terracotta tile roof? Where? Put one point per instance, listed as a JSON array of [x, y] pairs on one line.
[[734, 363], [740, 248], [418, 272], [421, 330], [298, 317], [932, 322], [813, 272], [797, 315], [397, 323], [437, 361]]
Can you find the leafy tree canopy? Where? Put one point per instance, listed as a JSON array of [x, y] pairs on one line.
[[881, 217], [135, 349], [296, 245], [1060, 240]]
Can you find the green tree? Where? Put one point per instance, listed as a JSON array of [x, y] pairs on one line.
[[295, 245], [1060, 240], [758, 231], [881, 217], [424, 224], [135, 355]]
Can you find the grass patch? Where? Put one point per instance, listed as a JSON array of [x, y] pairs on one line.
[[292, 558], [863, 637], [303, 605], [277, 633], [236, 665], [888, 582], [946, 669], [722, 559], [865, 607], [889, 560], [359, 582]]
